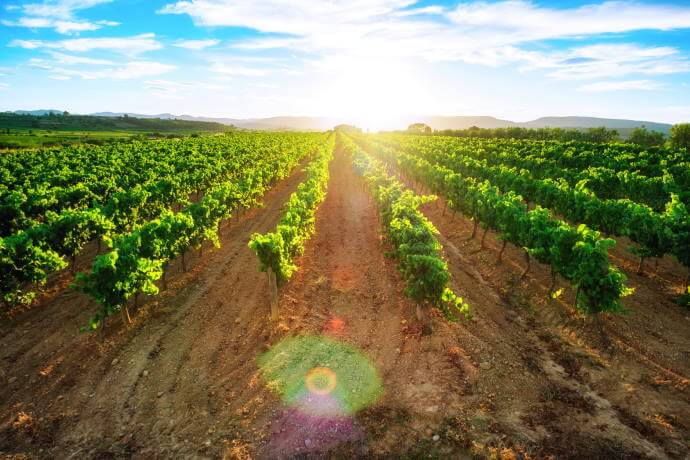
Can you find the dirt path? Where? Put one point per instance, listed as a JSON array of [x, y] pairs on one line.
[[349, 289]]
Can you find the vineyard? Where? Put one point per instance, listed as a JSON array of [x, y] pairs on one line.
[[280, 295]]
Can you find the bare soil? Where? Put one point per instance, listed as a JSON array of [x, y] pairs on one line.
[[525, 377]]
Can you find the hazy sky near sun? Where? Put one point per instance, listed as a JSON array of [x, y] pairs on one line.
[[361, 59]]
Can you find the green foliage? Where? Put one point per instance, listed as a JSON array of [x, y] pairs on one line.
[[24, 262], [412, 234], [654, 232], [600, 135], [646, 138], [419, 128], [577, 254], [54, 202], [680, 136], [684, 299], [60, 122], [138, 258], [276, 250]]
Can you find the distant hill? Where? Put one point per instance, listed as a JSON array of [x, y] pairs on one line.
[[438, 122], [287, 123], [544, 122], [592, 122]]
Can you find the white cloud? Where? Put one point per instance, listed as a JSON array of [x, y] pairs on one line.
[[59, 8], [420, 11], [294, 17], [264, 85], [237, 70], [68, 59], [629, 85], [125, 45], [63, 27], [171, 89], [58, 15], [128, 71], [196, 44], [597, 61], [525, 21], [4, 86], [476, 32]]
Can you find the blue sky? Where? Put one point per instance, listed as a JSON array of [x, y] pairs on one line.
[[369, 61]]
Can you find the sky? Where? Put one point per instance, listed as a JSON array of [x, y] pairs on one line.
[[365, 60]]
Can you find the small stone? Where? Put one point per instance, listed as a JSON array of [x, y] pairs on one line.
[[237, 321], [12, 379], [207, 443], [145, 373], [114, 361], [485, 365], [436, 437], [397, 350], [432, 409], [160, 393]]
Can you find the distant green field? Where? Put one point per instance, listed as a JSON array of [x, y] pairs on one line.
[[30, 131], [46, 138]]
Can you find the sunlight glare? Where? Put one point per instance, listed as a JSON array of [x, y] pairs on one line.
[[376, 94]]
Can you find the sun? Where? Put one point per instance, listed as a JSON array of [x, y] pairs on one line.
[[376, 94]]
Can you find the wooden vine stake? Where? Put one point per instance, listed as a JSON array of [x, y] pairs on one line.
[[126, 319], [420, 313], [273, 293]]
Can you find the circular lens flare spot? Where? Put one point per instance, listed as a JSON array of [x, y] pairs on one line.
[[320, 380]]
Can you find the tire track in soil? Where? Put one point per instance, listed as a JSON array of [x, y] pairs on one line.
[[151, 389], [345, 278]]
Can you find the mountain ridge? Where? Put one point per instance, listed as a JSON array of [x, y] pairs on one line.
[[306, 123]]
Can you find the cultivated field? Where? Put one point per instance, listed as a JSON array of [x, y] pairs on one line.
[[281, 295]]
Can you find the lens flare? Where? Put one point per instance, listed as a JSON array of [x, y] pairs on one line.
[[334, 327], [318, 367], [321, 380]]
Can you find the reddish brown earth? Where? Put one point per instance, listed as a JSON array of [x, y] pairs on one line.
[[525, 375]]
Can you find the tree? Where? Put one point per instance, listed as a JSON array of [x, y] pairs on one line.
[[645, 137], [600, 134], [419, 128], [680, 136], [347, 129]]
